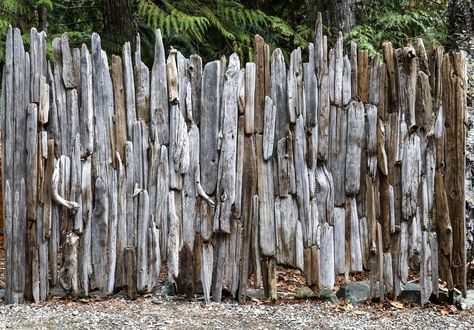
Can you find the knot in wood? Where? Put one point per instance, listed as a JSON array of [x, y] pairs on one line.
[[223, 196]]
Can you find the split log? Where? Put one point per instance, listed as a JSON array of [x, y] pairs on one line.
[[129, 86], [355, 133], [250, 77], [279, 94], [130, 272], [207, 254], [286, 218], [195, 72], [86, 112], [69, 273], [142, 239], [262, 80], [454, 103], [142, 86], [266, 202], [227, 161], [99, 230], [209, 128], [339, 240], [323, 109], [327, 257], [189, 189], [268, 128], [295, 86]]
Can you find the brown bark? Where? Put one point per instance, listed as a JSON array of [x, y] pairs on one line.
[[118, 20]]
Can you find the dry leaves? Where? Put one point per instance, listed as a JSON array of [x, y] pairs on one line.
[[397, 304]]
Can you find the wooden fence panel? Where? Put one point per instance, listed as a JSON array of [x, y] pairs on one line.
[[336, 165]]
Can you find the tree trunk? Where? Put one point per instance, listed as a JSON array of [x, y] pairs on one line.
[[342, 15], [43, 18], [461, 25], [118, 20]]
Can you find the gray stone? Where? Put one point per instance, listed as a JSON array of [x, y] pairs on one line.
[[355, 292], [2, 293], [328, 295], [57, 291], [411, 292], [166, 289], [468, 302], [304, 293]]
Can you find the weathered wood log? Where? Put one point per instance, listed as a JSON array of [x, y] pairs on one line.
[[189, 189], [346, 82], [295, 86], [323, 108], [209, 126], [31, 161], [355, 243], [130, 272], [99, 230], [444, 230], [311, 256], [233, 260], [179, 148], [129, 86], [250, 77], [355, 133], [302, 182], [60, 97], [374, 81], [266, 202], [239, 167], [454, 103], [363, 75], [279, 94], [392, 77], [411, 167], [120, 119], [69, 273], [337, 152], [207, 255], [142, 246], [339, 240], [227, 161], [69, 77], [120, 279], [425, 269], [383, 93], [327, 277], [154, 256], [183, 80], [142, 86], [269, 128], [406, 60], [86, 112], [173, 239], [324, 194], [195, 72], [262, 80], [220, 262], [286, 218], [403, 267], [249, 186]]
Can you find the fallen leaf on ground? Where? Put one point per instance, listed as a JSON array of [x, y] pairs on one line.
[[397, 304]]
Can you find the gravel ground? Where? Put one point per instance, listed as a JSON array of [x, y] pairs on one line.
[[151, 313]]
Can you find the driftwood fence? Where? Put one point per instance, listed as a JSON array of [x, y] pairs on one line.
[[338, 165]]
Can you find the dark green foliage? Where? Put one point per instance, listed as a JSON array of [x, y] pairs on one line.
[[399, 22], [216, 27]]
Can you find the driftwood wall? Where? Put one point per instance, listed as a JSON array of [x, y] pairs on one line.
[[220, 171]]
